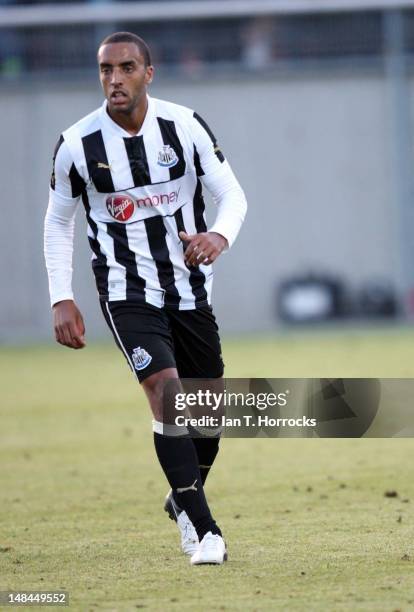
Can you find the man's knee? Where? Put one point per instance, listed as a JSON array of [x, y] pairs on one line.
[[160, 389]]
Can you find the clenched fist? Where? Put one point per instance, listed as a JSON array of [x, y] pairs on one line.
[[68, 324]]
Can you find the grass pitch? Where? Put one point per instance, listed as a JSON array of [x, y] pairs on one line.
[[307, 522]]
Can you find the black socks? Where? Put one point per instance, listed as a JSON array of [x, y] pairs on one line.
[[207, 449], [179, 460]]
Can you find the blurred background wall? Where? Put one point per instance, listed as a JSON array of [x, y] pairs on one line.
[[312, 108]]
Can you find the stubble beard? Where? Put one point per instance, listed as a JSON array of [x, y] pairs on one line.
[[128, 110]]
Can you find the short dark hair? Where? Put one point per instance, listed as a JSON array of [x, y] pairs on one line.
[[129, 37]]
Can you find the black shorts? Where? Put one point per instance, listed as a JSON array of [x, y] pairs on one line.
[[153, 339]]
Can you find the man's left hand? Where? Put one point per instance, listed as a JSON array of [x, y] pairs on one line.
[[202, 248]]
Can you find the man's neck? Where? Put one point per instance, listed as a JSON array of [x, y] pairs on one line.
[[131, 122]]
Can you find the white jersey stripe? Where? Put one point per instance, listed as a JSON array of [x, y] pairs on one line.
[[118, 162], [154, 294], [181, 273], [154, 144], [116, 272]]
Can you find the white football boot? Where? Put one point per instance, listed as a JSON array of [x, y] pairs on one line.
[[212, 550], [189, 538]]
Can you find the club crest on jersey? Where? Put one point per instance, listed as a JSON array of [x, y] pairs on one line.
[[141, 358], [120, 206], [167, 157]]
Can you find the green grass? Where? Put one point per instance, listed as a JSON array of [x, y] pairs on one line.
[[306, 520]]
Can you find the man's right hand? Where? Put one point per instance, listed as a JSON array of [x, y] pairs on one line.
[[68, 324]]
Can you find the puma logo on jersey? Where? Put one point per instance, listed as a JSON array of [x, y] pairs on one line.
[[190, 488], [104, 166]]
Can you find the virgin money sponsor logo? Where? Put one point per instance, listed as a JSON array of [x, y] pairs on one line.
[[159, 199], [121, 206]]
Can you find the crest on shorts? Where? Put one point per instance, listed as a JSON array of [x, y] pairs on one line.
[[167, 157], [141, 358]]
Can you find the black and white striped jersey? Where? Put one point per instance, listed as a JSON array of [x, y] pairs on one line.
[[138, 193]]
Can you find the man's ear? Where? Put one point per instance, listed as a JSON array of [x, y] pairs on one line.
[[149, 75]]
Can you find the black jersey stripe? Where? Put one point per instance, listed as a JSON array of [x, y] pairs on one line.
[[55, 152], [99, 265], [199, 208], [213, 139], [135, 284], [76, 182], [197, 277], [156, 233], [138, 162], [170, 137], [97, 162], [58, 145], [197, 163]]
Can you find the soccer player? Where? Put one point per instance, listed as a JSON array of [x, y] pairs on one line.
[[138, 164]]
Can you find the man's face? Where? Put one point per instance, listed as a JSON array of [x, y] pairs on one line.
[[123, 76]]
